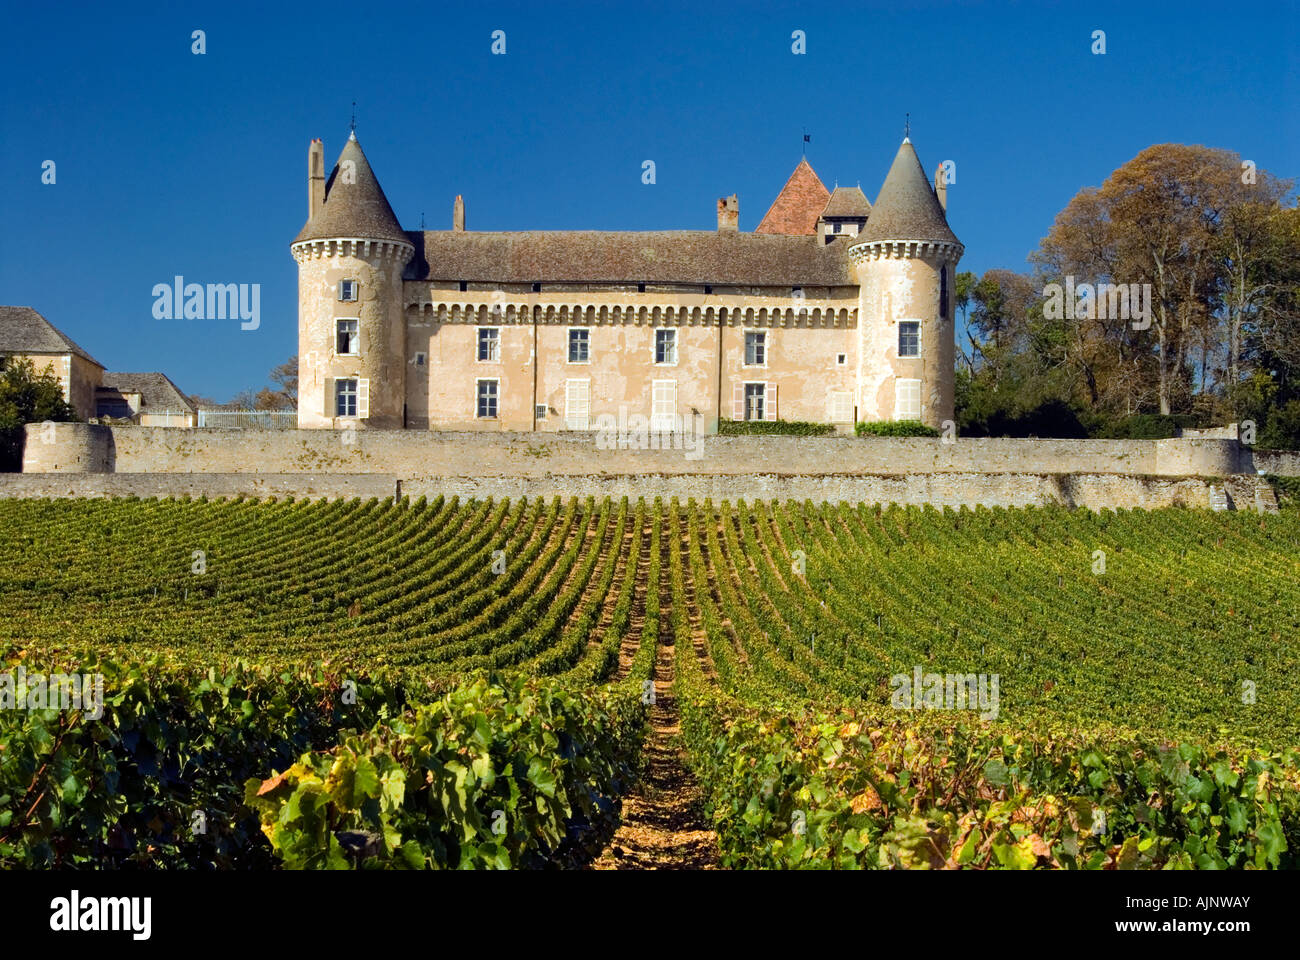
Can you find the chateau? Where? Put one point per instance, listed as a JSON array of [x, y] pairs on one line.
[[832, 310]]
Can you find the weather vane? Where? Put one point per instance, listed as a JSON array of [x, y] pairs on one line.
[[907, 126], [806, 140], [354, 116]]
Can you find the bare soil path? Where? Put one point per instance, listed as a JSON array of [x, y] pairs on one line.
[[661, 827]]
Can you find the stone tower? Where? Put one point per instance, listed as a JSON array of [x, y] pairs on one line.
[[905, 260], [351, 326]]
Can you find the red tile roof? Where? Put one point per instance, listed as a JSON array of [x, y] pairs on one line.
[[797, 207]]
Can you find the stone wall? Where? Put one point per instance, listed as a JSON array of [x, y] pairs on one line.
[[79, 448], [1282, 463], [1090, 491], [211, 485]]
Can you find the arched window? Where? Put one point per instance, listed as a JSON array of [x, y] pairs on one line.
[[943, 292]]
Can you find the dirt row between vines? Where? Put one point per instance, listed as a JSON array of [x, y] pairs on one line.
[[661, 827]]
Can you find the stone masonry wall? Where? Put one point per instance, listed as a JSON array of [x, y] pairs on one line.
[[80, 448], [1090, 491]]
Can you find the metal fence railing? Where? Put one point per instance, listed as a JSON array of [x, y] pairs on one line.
[[249, 419]]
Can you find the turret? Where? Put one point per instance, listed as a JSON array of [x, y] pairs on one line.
[[905, 260], [351, 327]]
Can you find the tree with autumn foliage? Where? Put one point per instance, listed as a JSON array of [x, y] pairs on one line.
[[1219, 244]]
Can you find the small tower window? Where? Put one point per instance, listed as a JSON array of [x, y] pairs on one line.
[[485, 407], [665, 346], [909, 338], [579, 345], [419, 359], [841, 359], [347, 290], [489, 344], [943, 292], [348, 340], [345, 398]]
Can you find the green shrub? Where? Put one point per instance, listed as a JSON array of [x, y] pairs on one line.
[[895, 428], [1145, 426], [156, 780], [794, 428], [492, 776]]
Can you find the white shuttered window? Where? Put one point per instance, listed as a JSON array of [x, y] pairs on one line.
[[577, 404], [907, 399], [663, 411]]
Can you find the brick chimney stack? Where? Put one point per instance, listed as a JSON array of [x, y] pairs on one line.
[[728, 213], [458, 214], [315, 177]]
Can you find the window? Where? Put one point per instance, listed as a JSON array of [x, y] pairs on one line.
[[841, 359], [755, 348], [837, 228], [539, 411], [486, 403], [943, 291], [537, 288], [640, 288], [419, 359], [579, 345], [345, 398], [708, 290], [665, 346], [347, 289], [577, 404], [348, 341], [755, 401], [909, 338], [907, 399], [463, 286], [663, 409], [489, 344], [796, 291], [839, 404]]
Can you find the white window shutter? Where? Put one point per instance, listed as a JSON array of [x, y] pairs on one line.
[[769, 401], [329, 408], [577, 404], [363, 399], [738, 402]]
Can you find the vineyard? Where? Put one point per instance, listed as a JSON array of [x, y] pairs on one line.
[[469, 684]]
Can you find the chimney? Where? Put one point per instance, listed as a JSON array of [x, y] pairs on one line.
[[728, 213], [941, 188], [458, 214], [315, 177]]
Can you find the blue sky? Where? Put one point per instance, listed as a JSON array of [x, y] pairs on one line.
[[171, 163]]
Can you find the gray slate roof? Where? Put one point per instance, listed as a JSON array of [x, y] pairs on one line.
[[356, 209], [157, 392], [592, 256], [906, 207], [23, 330], [847, 202]]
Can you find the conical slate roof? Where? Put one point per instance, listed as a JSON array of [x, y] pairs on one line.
[[906, 208], [355, 205], [797, 207]]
